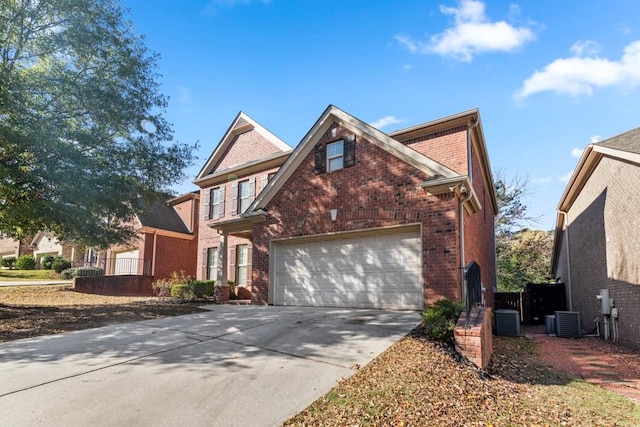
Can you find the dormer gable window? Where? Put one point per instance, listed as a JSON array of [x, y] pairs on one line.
[[335, 155]]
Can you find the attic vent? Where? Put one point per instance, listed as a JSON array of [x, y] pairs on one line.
[[568, 324]]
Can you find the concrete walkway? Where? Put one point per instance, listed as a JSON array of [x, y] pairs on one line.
[[230, 366]]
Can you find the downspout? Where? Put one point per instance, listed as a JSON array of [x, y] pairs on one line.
[[153, 257], [461, 202], [565, 223]]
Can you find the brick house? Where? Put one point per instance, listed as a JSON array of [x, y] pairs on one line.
[[167, 241], [14, 248], [352, 217], [596, 245], [44, 244]]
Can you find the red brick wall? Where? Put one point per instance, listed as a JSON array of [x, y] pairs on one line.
[[114, 285], [173, 255], [474, 339], [247, 146], [379, 191], [186, 211], [447, 147], [479, 235]]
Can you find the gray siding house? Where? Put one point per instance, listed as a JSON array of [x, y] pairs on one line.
[[597, 236]]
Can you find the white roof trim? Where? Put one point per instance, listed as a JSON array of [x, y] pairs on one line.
[[358, 127], [234, 130]]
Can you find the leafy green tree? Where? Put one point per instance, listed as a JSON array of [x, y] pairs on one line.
[[524, 258], [82, 132], [523, 255]]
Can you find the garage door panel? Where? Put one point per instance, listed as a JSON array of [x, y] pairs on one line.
[[383, 271]]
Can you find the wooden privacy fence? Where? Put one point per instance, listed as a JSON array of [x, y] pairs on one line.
[[536, 301]]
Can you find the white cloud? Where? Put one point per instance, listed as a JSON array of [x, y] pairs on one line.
[[406, 66], [595, 138], [579, 75], [565, 178], [585, 47], [471, 34], [386, 121], [577, 152], [542, 180]]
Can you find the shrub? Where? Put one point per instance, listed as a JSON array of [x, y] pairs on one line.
[[179, 291], [67, 274], [8, 262], [59, 264], [243, 293], [89, 271], [46, 261], [440, 319], [162, 287], [200, 288], [26, 262]]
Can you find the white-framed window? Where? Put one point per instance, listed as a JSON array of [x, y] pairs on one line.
[[244, 195], [242, 261], [212, 264], [335, 156], [217, 203]]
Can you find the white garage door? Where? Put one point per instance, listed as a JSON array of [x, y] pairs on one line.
[[126, 262], [381, 270]]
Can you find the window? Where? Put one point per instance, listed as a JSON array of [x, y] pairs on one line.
[[212, 264], [242, 260], [335, 156], [216, 209], [244, 196]]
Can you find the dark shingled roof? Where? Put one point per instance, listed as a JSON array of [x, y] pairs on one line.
[[628, 141], [160, 215]]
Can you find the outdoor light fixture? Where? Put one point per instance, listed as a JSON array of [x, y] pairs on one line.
[[334, 214]]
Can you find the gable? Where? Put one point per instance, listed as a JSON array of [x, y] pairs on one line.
[[245, 142], [346, 125]]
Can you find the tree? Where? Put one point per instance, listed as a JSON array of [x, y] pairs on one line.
[[524, 258], [523, 255], [82, 132]]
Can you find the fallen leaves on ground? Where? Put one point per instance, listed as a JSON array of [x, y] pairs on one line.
[[417, 382], [31, 311]]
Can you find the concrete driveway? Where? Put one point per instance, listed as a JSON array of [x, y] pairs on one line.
[[229, 366]]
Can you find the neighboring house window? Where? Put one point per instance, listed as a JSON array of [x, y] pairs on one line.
[[217, 203], [242, 260], [242, 195], [212, 264], [335, 155], [214, 203]]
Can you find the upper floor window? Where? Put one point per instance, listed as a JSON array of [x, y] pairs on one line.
[[217, 203], [335, 155], [214, 203], [244, 193]]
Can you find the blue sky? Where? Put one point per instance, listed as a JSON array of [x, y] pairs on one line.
[[549, 77]]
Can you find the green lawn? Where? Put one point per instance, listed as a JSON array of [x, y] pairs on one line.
[[10, 275]]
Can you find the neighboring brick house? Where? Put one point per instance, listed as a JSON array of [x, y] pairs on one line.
[[596, 242], [168, 241], [354, 217], [241, 165]]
